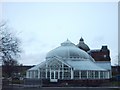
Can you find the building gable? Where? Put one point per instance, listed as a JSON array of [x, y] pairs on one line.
[[56, 62]]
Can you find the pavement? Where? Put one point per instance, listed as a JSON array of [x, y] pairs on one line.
[[38, 87]]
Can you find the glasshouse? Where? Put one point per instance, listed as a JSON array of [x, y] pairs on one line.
[[68, 62]]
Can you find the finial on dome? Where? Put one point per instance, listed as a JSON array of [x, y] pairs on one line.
[[67, 43], [81, 39]]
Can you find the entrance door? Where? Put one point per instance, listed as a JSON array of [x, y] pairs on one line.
[[54, 76]]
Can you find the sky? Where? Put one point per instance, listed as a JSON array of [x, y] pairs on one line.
[[43, 26]]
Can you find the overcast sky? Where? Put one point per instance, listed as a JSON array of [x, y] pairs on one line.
[[41, 27]]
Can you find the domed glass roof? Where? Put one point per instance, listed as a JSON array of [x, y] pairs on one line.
[[68, 50]]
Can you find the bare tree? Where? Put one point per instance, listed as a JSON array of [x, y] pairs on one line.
[[9, 49]]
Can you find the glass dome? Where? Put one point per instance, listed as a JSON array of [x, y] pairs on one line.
[[68, 50]]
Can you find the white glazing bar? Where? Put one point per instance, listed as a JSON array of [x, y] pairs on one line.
[[54, 74], [71, 73], [103, 74], [46, 73], [27, 74], [34, 74], [79, 74], [99, 74], [58, 73], [94, 74]]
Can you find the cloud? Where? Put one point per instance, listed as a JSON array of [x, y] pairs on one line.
[[34, 58], [45, 25]]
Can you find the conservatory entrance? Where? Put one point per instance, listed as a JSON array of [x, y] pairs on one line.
[[54, 75]]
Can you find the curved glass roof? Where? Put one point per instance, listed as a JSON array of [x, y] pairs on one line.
[[68, 50]]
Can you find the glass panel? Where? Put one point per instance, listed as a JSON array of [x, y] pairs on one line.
[[96, 74], [48, 74], [52, 75], [90, 74], [101, 74], [67, 75], [60, 75], [76, 74], [54, 64], [43, 74], [56, 75], [74, 54], [36, 74], [105, 75], [83, 74]]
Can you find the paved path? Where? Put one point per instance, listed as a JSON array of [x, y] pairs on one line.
[[17, 87]]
